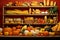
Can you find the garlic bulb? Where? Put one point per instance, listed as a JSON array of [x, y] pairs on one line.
[[33, 32], [26, 32], [1, 29]]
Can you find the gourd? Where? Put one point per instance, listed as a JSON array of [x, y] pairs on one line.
[[7, 29], [18, 30], [6, 33], [18, 27], [29, 28], [10, 33], [26, 32], [45, 33], [1, 33], [15, 32], [29, 33], [1, 29], [13, 28]]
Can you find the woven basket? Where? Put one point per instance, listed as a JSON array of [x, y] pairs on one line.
[[29, 21]]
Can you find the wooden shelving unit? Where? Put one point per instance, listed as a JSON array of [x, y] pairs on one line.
[[4, 7]]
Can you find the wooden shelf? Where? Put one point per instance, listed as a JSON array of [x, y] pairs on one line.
[[32, 14], [30, 36], [14, 6], [41, 6], [28, 6], [31, 24]]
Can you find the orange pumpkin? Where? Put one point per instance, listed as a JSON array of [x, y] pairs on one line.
[[42, 34], [29, 28], [10, 33], [20, 34], [13, 28], [1, 33], [18, 30], [46, 33], [7, 29], [15, 32], [18, 27], [39, 34]]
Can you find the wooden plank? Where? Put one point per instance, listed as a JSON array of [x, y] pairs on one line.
[[30, 36]]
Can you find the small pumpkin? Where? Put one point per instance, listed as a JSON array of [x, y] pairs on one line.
[[18, 30], [20, 34], [13, 28], [42, 34], [29, 34], [46, 33], [6, 33], [7, 29], [1, 29], [26, 32], [1, 33], [18, 27], [39, 34], [15, 32], [29, 28], [10, 33]]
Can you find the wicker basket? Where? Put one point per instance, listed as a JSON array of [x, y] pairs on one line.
[[29, 21]]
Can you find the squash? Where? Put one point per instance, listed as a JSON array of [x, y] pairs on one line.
[[1, 29], [39, 34], [26, 32], [29, 34], [20, 34], [7, 29], [6, 33], [18, 27], [46, 33], [33, 32], [15, 32], [1, 33], [24, 27], [42, 34], [18, 30], [13, 28], [29, 28], [10, 33], [37, 31]]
